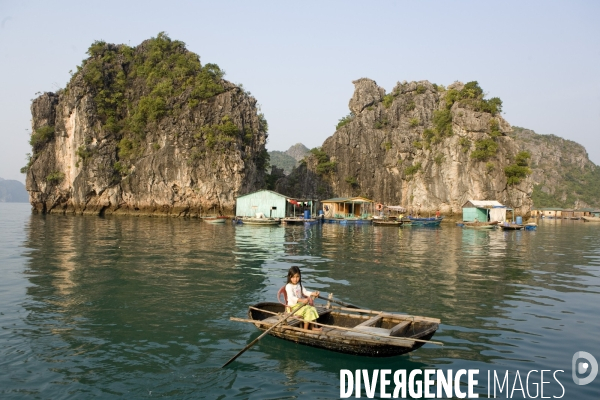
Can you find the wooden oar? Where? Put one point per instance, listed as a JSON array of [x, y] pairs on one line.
[[337, 302], [263, 334]]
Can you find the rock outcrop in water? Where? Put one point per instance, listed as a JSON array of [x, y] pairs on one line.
[[421, 146], [145, 130]]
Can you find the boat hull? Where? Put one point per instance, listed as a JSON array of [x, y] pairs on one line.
[[260, 221], [387, 223], [349, 342], [216, 220], [479, 225], [591, 219], [511, 227]]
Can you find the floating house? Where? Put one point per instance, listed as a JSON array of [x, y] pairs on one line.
[[549, 212], [484, 211], [344, 209], [588, 212], [272, 205]]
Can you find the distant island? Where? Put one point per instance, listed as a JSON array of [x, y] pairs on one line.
[[289, 159], [12, 191]]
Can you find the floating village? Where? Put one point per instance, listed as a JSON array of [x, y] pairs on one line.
[[347, 328], [267, 207]]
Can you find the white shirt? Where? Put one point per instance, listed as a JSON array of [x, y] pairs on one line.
[[295, 292]]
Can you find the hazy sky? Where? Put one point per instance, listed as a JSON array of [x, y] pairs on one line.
[[542, 58]]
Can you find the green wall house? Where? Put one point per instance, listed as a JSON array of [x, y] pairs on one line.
[[484, 211], [271, 204]]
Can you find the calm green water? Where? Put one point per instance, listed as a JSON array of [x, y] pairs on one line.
[[139, 307]]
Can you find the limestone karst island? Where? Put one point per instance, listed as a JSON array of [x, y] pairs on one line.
[[149, 130]]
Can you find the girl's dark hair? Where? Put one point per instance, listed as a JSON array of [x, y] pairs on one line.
[[293, 271]]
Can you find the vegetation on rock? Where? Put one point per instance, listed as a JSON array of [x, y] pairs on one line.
[[324, 165], [471, 96], [344, 121], [518, 171]]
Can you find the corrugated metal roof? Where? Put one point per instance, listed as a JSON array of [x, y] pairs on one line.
[[258, 191], [483, 203], [347, 200]]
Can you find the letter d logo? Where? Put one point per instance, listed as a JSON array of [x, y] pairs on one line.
[[582, 367]]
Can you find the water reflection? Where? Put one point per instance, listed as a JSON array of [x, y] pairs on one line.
[[130, 305]]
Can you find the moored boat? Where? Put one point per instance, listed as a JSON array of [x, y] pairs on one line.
[[591, 219], [349, 331], [479, 225], [215, 220], [432, 221], [510, 226], [386, 222], [260, 221]]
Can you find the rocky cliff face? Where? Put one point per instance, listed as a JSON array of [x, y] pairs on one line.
[[145, 130], [421, 146], [562, 174]]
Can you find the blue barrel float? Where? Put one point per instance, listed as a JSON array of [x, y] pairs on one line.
[[520, 220], [306, 214]]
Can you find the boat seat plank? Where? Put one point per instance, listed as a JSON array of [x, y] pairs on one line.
[[379, 331], [371, 321], [275, 319], [399, 328]]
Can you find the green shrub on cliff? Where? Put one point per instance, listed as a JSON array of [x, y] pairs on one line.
[[465, 144], [350, 180], [472, 96], [484, 149], [518, 171], [495, 128], [324, 165], [41, 136], [55, 177], [222, 133], [160, 70], [345, 120], [413, 169], [442, 122], [388, 99]]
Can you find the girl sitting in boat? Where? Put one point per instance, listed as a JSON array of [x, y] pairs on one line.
[[297, 295]]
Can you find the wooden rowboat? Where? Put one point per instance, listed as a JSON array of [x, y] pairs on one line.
[[260, 221], [431, 221], [510, 226], [479, 225], [388, 222], [348, 330], [215, 220], [591, 219]]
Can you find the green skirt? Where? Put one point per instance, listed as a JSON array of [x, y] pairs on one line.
[[307, 312]]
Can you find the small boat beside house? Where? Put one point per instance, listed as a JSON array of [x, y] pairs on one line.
[[260, 221], [386, 222], [510, 226], [591, 219], [431, 221], [347, 330], [215, 219], [479, 225]]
